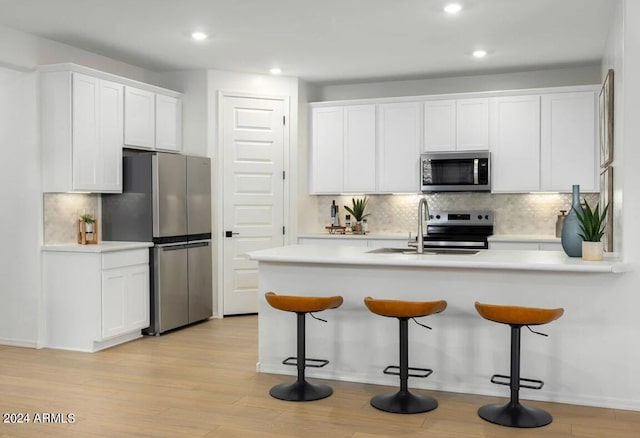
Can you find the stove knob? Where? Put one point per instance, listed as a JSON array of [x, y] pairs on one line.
[[430, 216], [479, 216], [486, 216], [437, 216]]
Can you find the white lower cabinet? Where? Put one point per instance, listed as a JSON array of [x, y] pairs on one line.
[[125, 305], [95, 300]]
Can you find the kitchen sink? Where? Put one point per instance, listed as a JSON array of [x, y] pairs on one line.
[[427, 251]]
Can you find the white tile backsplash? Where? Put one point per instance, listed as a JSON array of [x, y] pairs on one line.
[[61, 214], [533, 213]]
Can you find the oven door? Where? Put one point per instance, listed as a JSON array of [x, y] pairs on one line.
[[455, 172]]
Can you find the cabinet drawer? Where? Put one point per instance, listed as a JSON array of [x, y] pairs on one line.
[[118, 259]]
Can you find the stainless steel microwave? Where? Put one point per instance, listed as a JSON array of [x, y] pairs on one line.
[[455, 171]]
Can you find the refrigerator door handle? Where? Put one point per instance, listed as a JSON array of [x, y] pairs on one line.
[[171, 247], [196, 244]]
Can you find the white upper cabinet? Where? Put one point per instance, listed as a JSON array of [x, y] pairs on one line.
[[168, 123], [152, 121], [327, 143], [456, 125], [568, 144], [399, 131], [541, 140], [472, 124], [344, 149], [515, 144], [139, 118], [359, 149], [440, 126], [81, 133]]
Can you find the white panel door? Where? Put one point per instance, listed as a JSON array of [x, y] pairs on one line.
[[327, 144], [139, 118], [440, 126], [399, 132], [515, 144], [85, 132], [110, 136], [472, 124], [253, 142], [568, 147], [359, 149], [168, 123]]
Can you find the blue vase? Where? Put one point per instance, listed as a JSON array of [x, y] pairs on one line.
[[571, 240]]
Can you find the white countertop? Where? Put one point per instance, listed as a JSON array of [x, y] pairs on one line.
[[97, 248], [385, 236], [537, 238], [484, 259]]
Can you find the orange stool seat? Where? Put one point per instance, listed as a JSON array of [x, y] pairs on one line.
[[301, 389], [291, 303], [518, 315], [404, 309], [403, 401], [513, 413]]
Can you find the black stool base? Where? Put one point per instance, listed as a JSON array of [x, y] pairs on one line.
[[301, 391], [404, 402], [514, 415]]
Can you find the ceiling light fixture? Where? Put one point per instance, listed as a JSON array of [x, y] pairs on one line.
[[275, 71], [453, 8], [479, 53], [199, 36]]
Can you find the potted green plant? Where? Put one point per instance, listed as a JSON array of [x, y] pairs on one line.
[[357, 211], [592, 224], [88, 220]]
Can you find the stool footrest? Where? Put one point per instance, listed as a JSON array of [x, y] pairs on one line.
[[308, 362], [395, 371], [496, 378]]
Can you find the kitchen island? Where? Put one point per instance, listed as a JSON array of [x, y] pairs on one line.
[[463, 349]]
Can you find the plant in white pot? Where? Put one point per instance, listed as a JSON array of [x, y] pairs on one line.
[[357, 211], [88, 221], [592, 223]]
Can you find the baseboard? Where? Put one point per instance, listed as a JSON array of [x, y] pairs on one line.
[[19, 343]]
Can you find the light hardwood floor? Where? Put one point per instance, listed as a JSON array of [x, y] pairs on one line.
[[201, 382]]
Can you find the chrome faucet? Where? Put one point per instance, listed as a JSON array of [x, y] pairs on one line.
[[423, 206]]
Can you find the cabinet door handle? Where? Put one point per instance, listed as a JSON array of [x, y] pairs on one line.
[[230, 234]]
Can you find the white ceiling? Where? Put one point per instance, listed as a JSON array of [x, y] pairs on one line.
[[325, 40]]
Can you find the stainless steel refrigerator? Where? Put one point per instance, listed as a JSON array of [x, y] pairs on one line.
[[166, 200]]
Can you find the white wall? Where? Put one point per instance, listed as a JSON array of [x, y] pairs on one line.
[[20, 220], [581, 75], [21, 303]]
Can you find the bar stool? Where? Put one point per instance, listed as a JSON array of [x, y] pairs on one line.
[[301, 390], [514, 414], [403, 401]]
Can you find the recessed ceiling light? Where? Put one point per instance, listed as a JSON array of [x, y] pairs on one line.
[[479, 53], [275, 71], [453, 8], [199, 36]]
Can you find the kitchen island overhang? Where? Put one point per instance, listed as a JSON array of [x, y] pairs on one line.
[[463, 349]]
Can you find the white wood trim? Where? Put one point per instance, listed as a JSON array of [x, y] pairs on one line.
[[109, 77], [499, 93]]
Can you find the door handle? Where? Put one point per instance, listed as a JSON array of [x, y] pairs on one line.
[[230, 234]]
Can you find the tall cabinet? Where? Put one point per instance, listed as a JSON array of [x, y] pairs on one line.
[[82, 133]]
